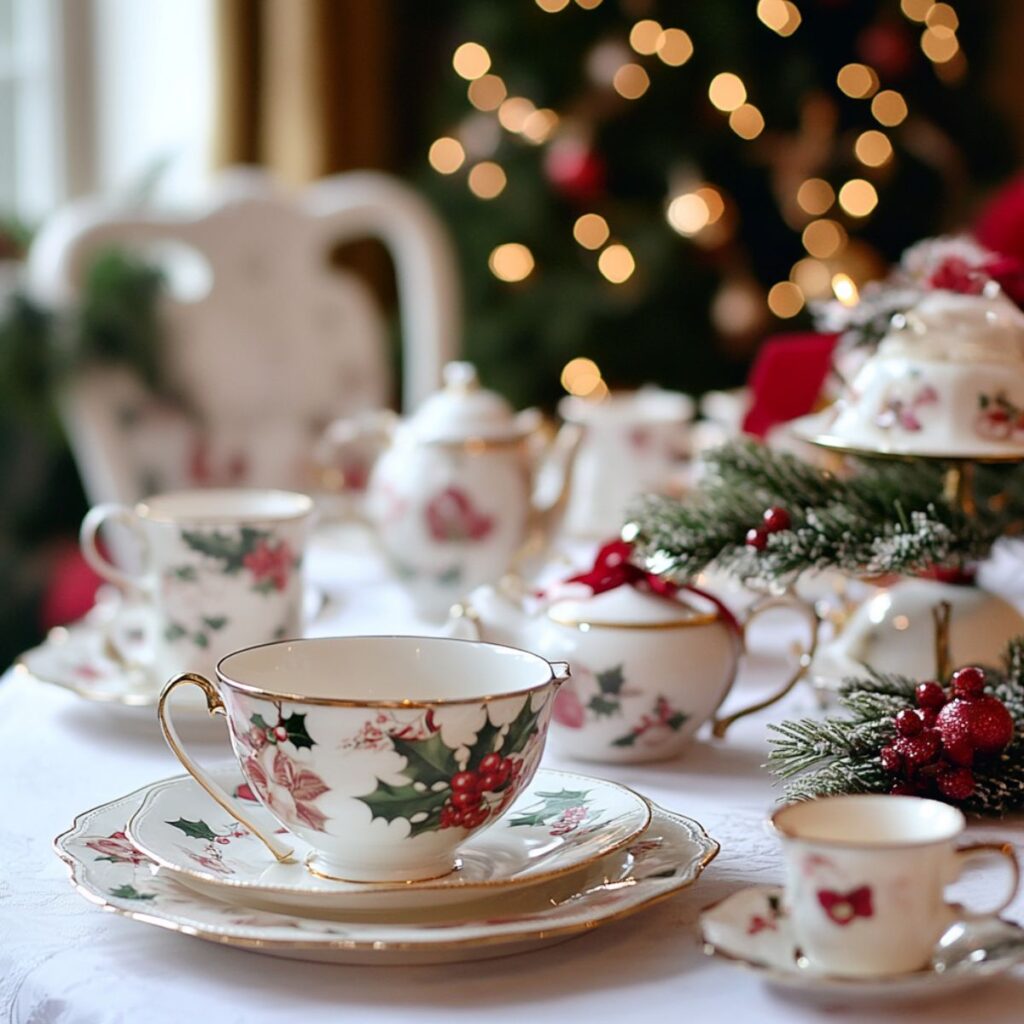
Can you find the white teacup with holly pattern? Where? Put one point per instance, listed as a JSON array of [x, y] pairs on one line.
[[222, 569], [382, 753], [865, 876]]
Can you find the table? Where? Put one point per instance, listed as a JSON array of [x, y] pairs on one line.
[[62, 961]]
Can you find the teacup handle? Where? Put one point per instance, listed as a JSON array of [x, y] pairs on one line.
[[215, 706], [720, 726], [975, 850], [88, 539]]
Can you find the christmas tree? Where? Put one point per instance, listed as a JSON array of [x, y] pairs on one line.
[[649, 187]]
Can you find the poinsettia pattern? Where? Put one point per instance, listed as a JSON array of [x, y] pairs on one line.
[[563, 811], [844, 907], [452, 516], [998, 418], [269, 561], [116, 848]]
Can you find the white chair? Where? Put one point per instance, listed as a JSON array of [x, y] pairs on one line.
[[266, 341]]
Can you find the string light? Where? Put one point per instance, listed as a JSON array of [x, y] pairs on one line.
[[857, 81], [581, 377], [446, 155], [487, 93], [942, 16], [688, 214], [512, 114], [588, 5], [747, 121], [939, 44], [823, 238], [644, 36], [815, 196], [889, 108], [631, 81], [616, 263], [674, 47], [539, 125], [916, 10], [713, 201], [781, 16], [511, 262], [845, 289], [471, 61], [591, 230], [812, 277], [552, 6], [858, 197], [727, 91], [785, 299], [487, 180], [873, 148]]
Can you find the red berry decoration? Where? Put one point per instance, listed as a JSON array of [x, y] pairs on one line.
[[757, 538], [904, 789], [930, 695], [908, 723], [968, 682], [490, 763], [956, 734], [891, 759], [956, 783], [776, 519], [921, 749], [990, 724], [929, 716], [463, 782]]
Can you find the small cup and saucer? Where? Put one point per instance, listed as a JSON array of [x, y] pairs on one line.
[[862, 914]]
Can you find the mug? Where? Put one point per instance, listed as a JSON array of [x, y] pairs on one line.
[[865, 877], [220, 568], [382, 753]]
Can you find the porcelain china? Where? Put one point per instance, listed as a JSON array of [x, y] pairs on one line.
[[221, 568], [107, 870], [752, 929], [382, 753], [561, 823]]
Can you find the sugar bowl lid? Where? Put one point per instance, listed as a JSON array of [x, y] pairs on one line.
[[626, 607], [463, 411]]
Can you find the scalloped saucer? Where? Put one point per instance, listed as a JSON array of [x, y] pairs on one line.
[[561, 824], [108, 871], [107, 656], [750, 928]]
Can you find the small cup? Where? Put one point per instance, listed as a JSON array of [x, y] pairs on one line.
[[221, 568], [865, 878], [383, 753]]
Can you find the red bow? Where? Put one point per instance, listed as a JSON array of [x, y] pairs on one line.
[[612, 568], [842, 907]]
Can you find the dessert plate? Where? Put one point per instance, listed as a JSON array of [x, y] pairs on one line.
[[107, 870], [561, 823], [107, 655], [751, 928]]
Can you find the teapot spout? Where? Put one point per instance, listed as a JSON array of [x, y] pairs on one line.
[[552, 481]]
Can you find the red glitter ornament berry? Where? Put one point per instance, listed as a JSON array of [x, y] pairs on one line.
[[968, 682], [991, 725], [908, 723], [757, 538], [921, 749], [930, 695], [891, 759], [956, 783], [929, 716], [956, 733], [776, 519]]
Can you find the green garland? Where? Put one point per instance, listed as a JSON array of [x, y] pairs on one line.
[[840, 754], [883, 517]]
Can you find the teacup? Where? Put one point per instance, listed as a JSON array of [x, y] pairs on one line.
[[865, 878], [221, 568], [383, 753]]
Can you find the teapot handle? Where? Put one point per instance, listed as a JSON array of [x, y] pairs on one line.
[[720, 726]]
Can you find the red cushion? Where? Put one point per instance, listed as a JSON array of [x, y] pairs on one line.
[[786, 379], [71, 590]]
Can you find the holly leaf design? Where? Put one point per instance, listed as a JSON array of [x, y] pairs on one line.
[[259, 721], [602, 707], [450, 576], [485, 743], [200, 640], [611, 680], [521, 728], [185, 573], [173, 632], [194, 829], [267, 586], [215, 622], [295, 726], [676, 720], [625, 741], [549, 806], [230, 550], [391, 802], [129, 892], [428, 760]]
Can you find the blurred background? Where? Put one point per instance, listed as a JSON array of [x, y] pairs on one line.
[[637, 190]]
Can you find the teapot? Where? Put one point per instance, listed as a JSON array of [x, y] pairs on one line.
[[650, 662], [462, 488]]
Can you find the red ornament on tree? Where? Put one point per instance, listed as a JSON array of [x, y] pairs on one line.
[[776, 519], [757, 538], [576, 171]]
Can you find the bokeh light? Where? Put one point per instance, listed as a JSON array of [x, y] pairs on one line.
[[512, 114], [446, 155], [539, 125], [511, 262], [889, 108], [674, 47], [631, 81], [785, 299], [487, 180], [939, 44], [858, 197], [747, 121], [916, 10], [487, 93], [845, 289], [823, 238], [727, 91], [812, 277], [581, 376], [688, 213], [616, 263], [591, 230], [815, 196], [857, 81], [552, 6], [873, 148], [471, 61], [644, 35]]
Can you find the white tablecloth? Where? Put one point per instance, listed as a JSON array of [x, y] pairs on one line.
[[63, 960]]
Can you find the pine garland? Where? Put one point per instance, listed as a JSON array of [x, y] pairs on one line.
[[883, 517], [836, 755]]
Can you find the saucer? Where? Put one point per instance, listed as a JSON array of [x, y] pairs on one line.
[[559, 825], [751, 928], [107, 655], [108, 871]]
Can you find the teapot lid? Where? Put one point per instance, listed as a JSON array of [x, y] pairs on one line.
[[463, 410], [630, 608]]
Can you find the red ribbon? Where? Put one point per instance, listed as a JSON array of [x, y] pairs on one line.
[[612, 568]]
